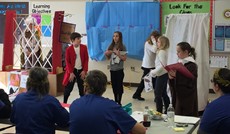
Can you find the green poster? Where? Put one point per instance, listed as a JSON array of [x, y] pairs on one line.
[[182, 8], [46, 19]]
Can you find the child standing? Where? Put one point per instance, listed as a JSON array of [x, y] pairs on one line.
[[183, 89], [76, 60], [161, 74], [148, 62], [116, 52]]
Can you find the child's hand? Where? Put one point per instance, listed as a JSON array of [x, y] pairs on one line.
[[108, 52], [71, 77], [172, 74], [83, 74], [117, 51], [152, 73]]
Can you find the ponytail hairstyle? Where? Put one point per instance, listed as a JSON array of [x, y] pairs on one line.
[[186, 46]]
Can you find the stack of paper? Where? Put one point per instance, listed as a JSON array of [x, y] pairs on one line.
[[186, 119], [138, 116]]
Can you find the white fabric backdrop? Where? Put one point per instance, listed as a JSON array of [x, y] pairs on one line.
[[192, 28]]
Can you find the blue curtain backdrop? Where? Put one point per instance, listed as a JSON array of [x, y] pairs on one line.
[[136, 20]]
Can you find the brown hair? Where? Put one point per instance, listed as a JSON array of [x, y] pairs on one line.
[[75, 35], [96, 82], [38, 81], [186, 46], [120, 44], [221, 77], [155, 34]]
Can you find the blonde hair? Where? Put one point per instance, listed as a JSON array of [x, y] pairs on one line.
[[164, 42]]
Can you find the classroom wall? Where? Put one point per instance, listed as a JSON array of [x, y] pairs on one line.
[[218, 19], [77, 9]]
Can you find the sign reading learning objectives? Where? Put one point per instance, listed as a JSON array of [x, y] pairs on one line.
[[44, 13], [41, 8]]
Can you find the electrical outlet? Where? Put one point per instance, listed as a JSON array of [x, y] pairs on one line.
[[132, 68]]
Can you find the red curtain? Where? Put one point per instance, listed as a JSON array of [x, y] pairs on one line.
[[8, 43], [57, 48]]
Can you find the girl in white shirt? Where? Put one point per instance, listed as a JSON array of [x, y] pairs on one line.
[[161, 74], [148, 62]]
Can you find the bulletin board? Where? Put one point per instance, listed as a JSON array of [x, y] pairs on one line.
[[19, 7], [221, 27]]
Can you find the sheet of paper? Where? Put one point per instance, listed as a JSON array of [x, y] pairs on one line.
[[148, 83], [186, 119], [123, 52], [219, 61], [138, 116], [23, 81]]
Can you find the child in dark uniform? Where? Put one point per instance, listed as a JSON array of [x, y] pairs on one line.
[[5, 105]]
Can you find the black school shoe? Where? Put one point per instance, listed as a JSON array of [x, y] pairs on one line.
[[139, 98]]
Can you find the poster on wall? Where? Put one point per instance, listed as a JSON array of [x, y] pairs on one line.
[[66, 30], [222, 38], [23, 80], [227, 31], [218, 61], [182, 7], [46, 24], [227, 45], [17, 83], [219, 44], [19, 7], [14, 84], [221, 27], [219, 31]]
